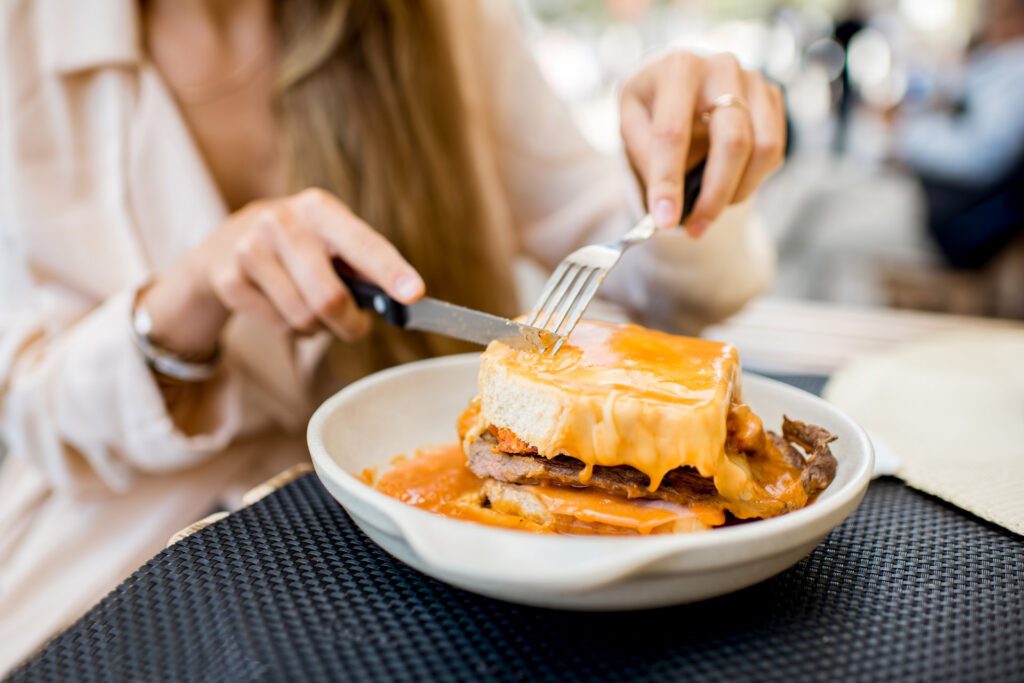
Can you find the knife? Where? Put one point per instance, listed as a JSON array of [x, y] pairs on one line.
[[433, 315]]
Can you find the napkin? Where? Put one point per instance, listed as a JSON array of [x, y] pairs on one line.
[[952, 408]]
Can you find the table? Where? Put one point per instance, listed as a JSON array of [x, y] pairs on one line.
[[782, 335], [288, 589]]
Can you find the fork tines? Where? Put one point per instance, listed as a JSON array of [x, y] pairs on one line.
[[571, 287], [565, 298]]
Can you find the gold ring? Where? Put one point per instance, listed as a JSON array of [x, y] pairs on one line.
[[723, 101]]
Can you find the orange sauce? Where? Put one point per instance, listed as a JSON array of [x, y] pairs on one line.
[[437, 479], [432, 479]]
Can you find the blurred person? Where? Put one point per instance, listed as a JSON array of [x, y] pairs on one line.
[[846, 29], [968, 151], [175, 179]]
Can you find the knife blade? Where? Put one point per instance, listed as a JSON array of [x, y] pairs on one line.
[[441, 317], [433, 315]]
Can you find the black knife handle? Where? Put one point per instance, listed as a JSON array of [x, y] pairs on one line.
[[371, 297], [691, 188]]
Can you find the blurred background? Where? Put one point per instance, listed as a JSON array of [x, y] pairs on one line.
[[904, 186]]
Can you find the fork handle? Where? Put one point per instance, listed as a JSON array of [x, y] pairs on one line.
[[691, 188]]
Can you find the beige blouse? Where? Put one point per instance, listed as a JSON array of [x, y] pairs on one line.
[[101, 186]]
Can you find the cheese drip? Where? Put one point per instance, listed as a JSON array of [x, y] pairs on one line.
[[621, 395], [438, 480]]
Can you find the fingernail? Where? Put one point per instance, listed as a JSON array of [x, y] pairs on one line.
[[408, 286], [697, 227], [665, 213]]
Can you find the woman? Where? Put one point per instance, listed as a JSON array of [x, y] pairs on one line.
[[157, 169]]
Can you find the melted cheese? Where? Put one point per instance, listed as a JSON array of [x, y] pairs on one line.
[[621, 395], [642, 516], [437, 479]]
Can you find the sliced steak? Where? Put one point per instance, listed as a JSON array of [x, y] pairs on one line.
[[820, 465], [683, 485]]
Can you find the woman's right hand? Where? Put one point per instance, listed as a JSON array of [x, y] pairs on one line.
[[272, 260]]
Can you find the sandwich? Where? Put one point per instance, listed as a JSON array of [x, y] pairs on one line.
[[628, 430]]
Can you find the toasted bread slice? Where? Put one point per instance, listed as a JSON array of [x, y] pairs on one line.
[[577, 511], [619, 395]]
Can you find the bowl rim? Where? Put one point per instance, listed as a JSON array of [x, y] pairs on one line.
[[400, 513]]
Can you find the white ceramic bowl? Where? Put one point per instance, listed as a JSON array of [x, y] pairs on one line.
[[411, 406]]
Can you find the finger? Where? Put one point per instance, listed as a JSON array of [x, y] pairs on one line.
[[635, 127], [307, 261], [635, 119], [359, 245], [671, 123], [238, 294], [769, 123], [260, 264], [779, 102], [731, 140]]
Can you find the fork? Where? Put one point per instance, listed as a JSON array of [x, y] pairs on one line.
[[572, 286]]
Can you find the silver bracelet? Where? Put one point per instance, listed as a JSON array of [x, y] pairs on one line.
[[165, 362]]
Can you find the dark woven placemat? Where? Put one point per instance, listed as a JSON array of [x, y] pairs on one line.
[[289, 590]]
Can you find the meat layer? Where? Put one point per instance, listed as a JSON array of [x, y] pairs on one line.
[[809, 472], [682, 485]]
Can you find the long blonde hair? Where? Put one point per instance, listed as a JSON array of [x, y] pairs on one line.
[[375, 106]]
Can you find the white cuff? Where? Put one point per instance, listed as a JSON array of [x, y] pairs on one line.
[[108, 405]]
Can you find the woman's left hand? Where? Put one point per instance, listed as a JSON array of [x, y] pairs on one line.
[[744, 137]]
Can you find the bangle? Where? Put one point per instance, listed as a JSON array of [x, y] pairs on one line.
[[164, 362]]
